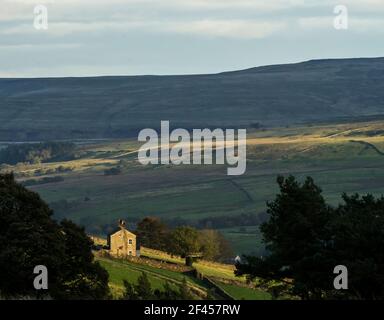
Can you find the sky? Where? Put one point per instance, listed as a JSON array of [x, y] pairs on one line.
[[136, 37]]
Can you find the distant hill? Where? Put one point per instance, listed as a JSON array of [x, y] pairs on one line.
[[110, 107]]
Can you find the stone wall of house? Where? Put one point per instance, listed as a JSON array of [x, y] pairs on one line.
[[123, 243]]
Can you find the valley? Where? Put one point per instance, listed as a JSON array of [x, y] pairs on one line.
[[345, 157]]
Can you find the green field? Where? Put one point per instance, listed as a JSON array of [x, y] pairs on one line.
[[244, 239], [120, 270], [344, 157], [242, 293]]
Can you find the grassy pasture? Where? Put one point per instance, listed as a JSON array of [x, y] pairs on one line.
[[244, 239], [243, 293], [120, 270]]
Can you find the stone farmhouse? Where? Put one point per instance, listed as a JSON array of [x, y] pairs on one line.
[[122, 243]]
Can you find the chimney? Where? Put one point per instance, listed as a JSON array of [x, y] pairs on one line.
[[121, 224]]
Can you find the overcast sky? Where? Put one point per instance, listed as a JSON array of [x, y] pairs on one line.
[[129, 37]]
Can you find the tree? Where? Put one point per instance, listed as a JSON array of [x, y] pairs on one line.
[[358, 242], [153, 233], [142, 290], [184, 240], [30, 237], [210, 246], [214, 246], [168, 293], [306, 239], [129, 291], [83, 278], [294, 235], [225, 248]]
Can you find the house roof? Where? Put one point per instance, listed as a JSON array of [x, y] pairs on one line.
[[116, 230]]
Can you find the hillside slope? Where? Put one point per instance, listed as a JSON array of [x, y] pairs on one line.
[[100, 107], [214, 278]]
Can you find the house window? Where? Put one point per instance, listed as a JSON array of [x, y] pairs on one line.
[[130, 253], [130, 241]]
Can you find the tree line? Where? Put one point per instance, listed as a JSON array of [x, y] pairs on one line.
[[143, 290], [183, 240], [37, 152], [216, 222]]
